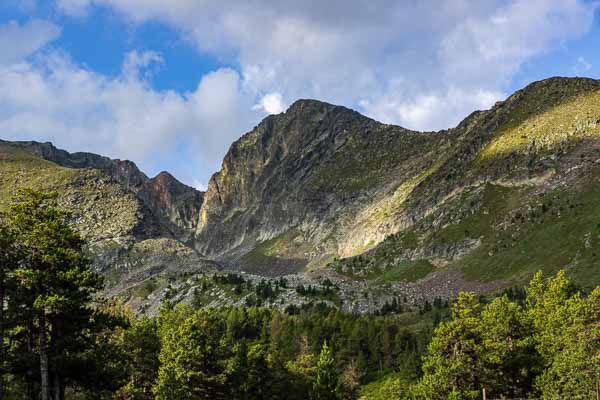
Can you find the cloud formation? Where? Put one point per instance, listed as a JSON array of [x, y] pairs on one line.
[[53, 98], [424, 65], [581, 66], [17, 42]]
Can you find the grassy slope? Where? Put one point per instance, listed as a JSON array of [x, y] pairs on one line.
[[520, 230], [19, 168], [101, 209]]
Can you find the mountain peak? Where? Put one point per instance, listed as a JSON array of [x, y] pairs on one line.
[[164, 175], [556, 89], [311, 107]]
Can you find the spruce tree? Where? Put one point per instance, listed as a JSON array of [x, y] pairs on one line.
[[8, 259], [453, 365], [326, 380], [55, 285]]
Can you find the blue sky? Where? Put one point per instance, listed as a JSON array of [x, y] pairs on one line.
[[170, 84]]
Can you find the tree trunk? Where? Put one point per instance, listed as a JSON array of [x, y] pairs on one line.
[[44, 358], [2, 355], [57, 363], [31, 385], [57, 386]]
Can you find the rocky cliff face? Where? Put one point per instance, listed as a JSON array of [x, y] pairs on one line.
[[299, 178], [136, 227], [320, 183], [174, 205], [321, 189]]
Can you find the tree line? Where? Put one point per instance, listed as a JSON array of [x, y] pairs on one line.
[[60, 340], [546, 345]]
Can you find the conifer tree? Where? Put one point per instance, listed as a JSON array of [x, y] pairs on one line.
[[55, 281], [453, 364], [8, 259], [326, 380]]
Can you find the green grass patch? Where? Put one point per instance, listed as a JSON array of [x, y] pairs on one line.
[[495, 203], [407, 271], [560, 229], [545, 123], [143, 290]]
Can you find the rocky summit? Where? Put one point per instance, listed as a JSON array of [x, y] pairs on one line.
[[325, 204]]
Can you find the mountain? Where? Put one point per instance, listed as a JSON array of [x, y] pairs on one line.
[[322, 191], [137, 227], [321, 183]]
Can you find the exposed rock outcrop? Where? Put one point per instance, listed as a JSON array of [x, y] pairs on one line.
[[322, 188]]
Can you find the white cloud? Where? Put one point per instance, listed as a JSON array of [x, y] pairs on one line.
[[405, 60], [139, 63], [75, 8], [431, 111], [581, 66], [199, 185], [496, 45], [20, 41], [424, 65], [55, 99], [271, 103]]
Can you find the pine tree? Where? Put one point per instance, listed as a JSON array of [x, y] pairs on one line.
[[509, 358], [326, 380], [192, 356], [140, 346], [55, 282], [567, 336], [453, 364], [302, 368]]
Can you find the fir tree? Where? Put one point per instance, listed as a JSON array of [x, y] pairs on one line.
[[326, 380]]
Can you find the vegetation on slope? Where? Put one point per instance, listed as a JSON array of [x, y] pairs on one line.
[[102, 211], [542, 123], [56, 344], [522, 197]]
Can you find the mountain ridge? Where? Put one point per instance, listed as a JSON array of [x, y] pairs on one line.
[[153, 191], [322, 189]]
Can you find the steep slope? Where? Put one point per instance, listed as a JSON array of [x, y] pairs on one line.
[[135, 226], [520, 193], [175, 205], [378, 210], [321, 182], [299, 182]]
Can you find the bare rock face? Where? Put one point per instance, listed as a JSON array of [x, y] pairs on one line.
[[297, 177], [322, 182], [174, 205], [323, 188], [136, 228]]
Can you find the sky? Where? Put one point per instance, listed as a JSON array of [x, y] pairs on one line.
[[170, 84]]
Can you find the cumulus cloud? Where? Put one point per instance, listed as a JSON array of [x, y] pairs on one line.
[[581, 66], [407, 62], [431, 111], [499, 43], [424, 65], [53, 98], [271, 103], [76, 8], [20, 41], [136, 63]]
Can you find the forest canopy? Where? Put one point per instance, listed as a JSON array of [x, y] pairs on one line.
[[60, 340]]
